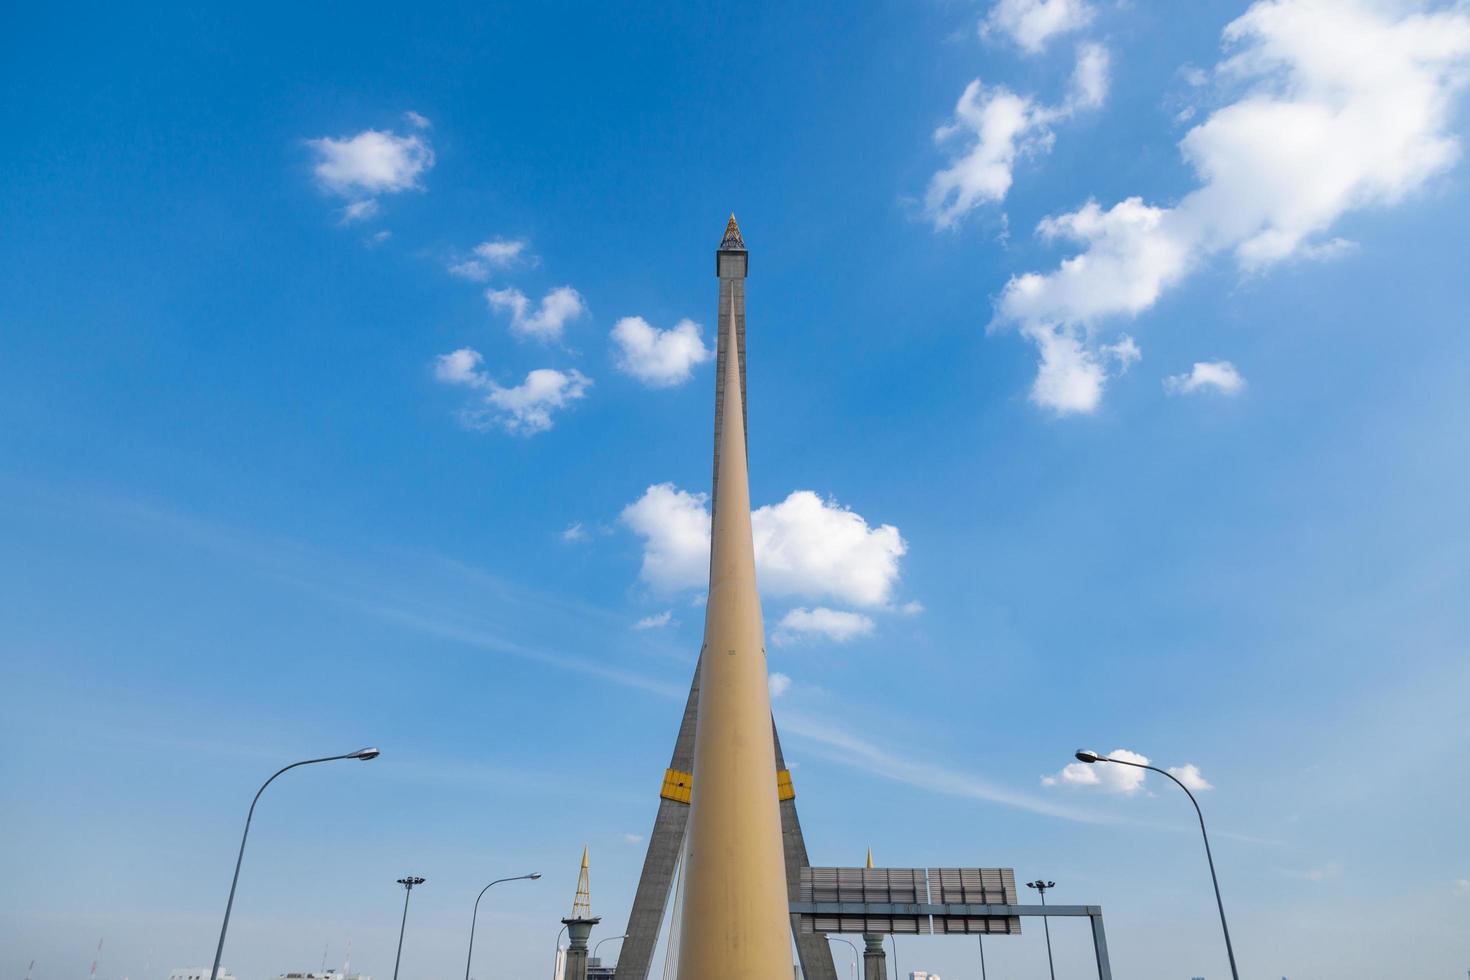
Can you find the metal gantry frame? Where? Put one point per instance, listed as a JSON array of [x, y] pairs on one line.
[[891, 909]]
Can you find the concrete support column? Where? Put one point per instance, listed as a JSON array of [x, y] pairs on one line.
[[577, 932], [875, 961]]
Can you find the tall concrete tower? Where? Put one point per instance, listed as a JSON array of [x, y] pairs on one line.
[[666, 840], [735, 921]]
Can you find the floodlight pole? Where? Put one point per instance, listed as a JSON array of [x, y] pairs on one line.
[[981, 937], [1041, 887], [407, 882], [1092, 757]]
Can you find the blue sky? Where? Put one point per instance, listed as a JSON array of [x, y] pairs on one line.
[[1118, 400]]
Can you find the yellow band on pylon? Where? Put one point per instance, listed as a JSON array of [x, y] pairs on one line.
[[679, 786]]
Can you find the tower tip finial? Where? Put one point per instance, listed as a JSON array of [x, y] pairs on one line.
[[582, 904], [732, 239], [870, 857]]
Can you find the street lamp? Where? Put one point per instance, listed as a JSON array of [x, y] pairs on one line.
[[407, 882], [853, 945], [607, 939], [981, 937], [1092, 758], [363, 754], [476, 913], [1041, 887], [555, 964]]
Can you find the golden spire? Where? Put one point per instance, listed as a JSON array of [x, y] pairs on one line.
[[870, 857], [732, 240], [582, 904], [735, 919]]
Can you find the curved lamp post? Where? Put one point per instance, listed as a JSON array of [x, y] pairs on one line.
[[558, 952], [1041, 887], [1092, 758], [363, 754], [476, 914], [839, 939], [608, 939]]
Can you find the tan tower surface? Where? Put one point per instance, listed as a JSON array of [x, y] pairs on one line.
[[735, 920]]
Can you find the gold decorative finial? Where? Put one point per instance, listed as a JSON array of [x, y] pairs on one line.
[[582, 904], [732, 240], [870, 857]]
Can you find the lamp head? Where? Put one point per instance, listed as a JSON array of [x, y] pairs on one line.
[[534, 875], [365, 754], [410, 881], [1083, 755]]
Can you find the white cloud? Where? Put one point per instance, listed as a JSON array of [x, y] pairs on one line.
[[500, 252], [779, 684], [810, 547], [525, 409], [461, 367], [834, 624], [1190, 776], [633, 838], [1333, 248], [1462, 886], [1344, 104], [1111, 779], [472, 269], [574, 532], [804, 546], [1091, 77], [911, 608], [998, 127], [378, 238], [558, 307], [417, 121], [359, 211], [1002, 124], [1216, 376], [674, 525], [1071, 375], [658, 358], [1031, 23], [372, 162], [656, 621], [497, 253]]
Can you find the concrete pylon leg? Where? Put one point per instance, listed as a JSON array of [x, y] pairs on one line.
[[650, 902], [812, 947]]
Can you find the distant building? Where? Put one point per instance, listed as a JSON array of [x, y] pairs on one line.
[[923, 975], [311, 975], [596, 971], [199, 973]]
